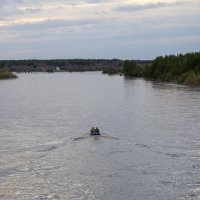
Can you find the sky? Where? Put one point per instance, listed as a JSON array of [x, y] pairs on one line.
[[124, 29]]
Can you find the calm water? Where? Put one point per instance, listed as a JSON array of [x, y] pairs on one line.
[[150, 149]]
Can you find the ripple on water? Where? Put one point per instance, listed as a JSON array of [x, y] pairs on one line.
[[196, 166], [143, 146], [48, 149], [175, 155], [165, 182], [8, 172], [46, 197]]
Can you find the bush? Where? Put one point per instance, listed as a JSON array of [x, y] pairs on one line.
[[6, 75], [111, 70], [190, 77]]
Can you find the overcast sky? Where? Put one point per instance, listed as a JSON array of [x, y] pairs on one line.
[[125, 29]]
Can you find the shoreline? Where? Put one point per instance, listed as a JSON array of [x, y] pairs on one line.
[[7, 75]]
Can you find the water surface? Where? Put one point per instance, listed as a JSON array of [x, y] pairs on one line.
[[150, 148]]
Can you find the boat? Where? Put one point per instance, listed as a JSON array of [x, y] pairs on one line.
[[94, 131], [93, 134]]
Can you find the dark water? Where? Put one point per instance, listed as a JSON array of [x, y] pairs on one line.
[[150, 148]]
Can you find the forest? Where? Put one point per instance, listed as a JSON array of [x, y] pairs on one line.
[[173, 68], [70, 65]]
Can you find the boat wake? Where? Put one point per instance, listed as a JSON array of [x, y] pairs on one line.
[[96, 137]]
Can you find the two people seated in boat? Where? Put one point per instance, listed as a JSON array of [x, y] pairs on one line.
[[94, 131]]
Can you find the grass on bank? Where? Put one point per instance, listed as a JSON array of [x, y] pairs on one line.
[[7, 75]]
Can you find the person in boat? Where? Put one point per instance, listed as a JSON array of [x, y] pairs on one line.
[[97, 131], [92, 131]]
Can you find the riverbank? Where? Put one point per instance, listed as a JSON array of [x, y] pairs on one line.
[[7, 75], [182, 69]]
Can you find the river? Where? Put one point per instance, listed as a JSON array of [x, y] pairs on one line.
[[149, 149]]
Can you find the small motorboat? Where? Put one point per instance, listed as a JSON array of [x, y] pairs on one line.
[[94, 131]]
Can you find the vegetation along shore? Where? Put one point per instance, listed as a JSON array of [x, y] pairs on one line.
[[6, 74], [184, 69]]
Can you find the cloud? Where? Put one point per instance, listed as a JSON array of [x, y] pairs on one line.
[[32, 10], [9, 8], [96, 28], [141, 7], [49, 24]]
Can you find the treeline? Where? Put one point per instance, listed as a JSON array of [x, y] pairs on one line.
[[129, 67], [174, 68], [59, 65]]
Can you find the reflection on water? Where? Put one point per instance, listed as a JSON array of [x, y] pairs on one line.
[[150, 149]]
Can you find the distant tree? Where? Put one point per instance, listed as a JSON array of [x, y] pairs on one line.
[[50, 69], [130, 68], [176, 68]]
